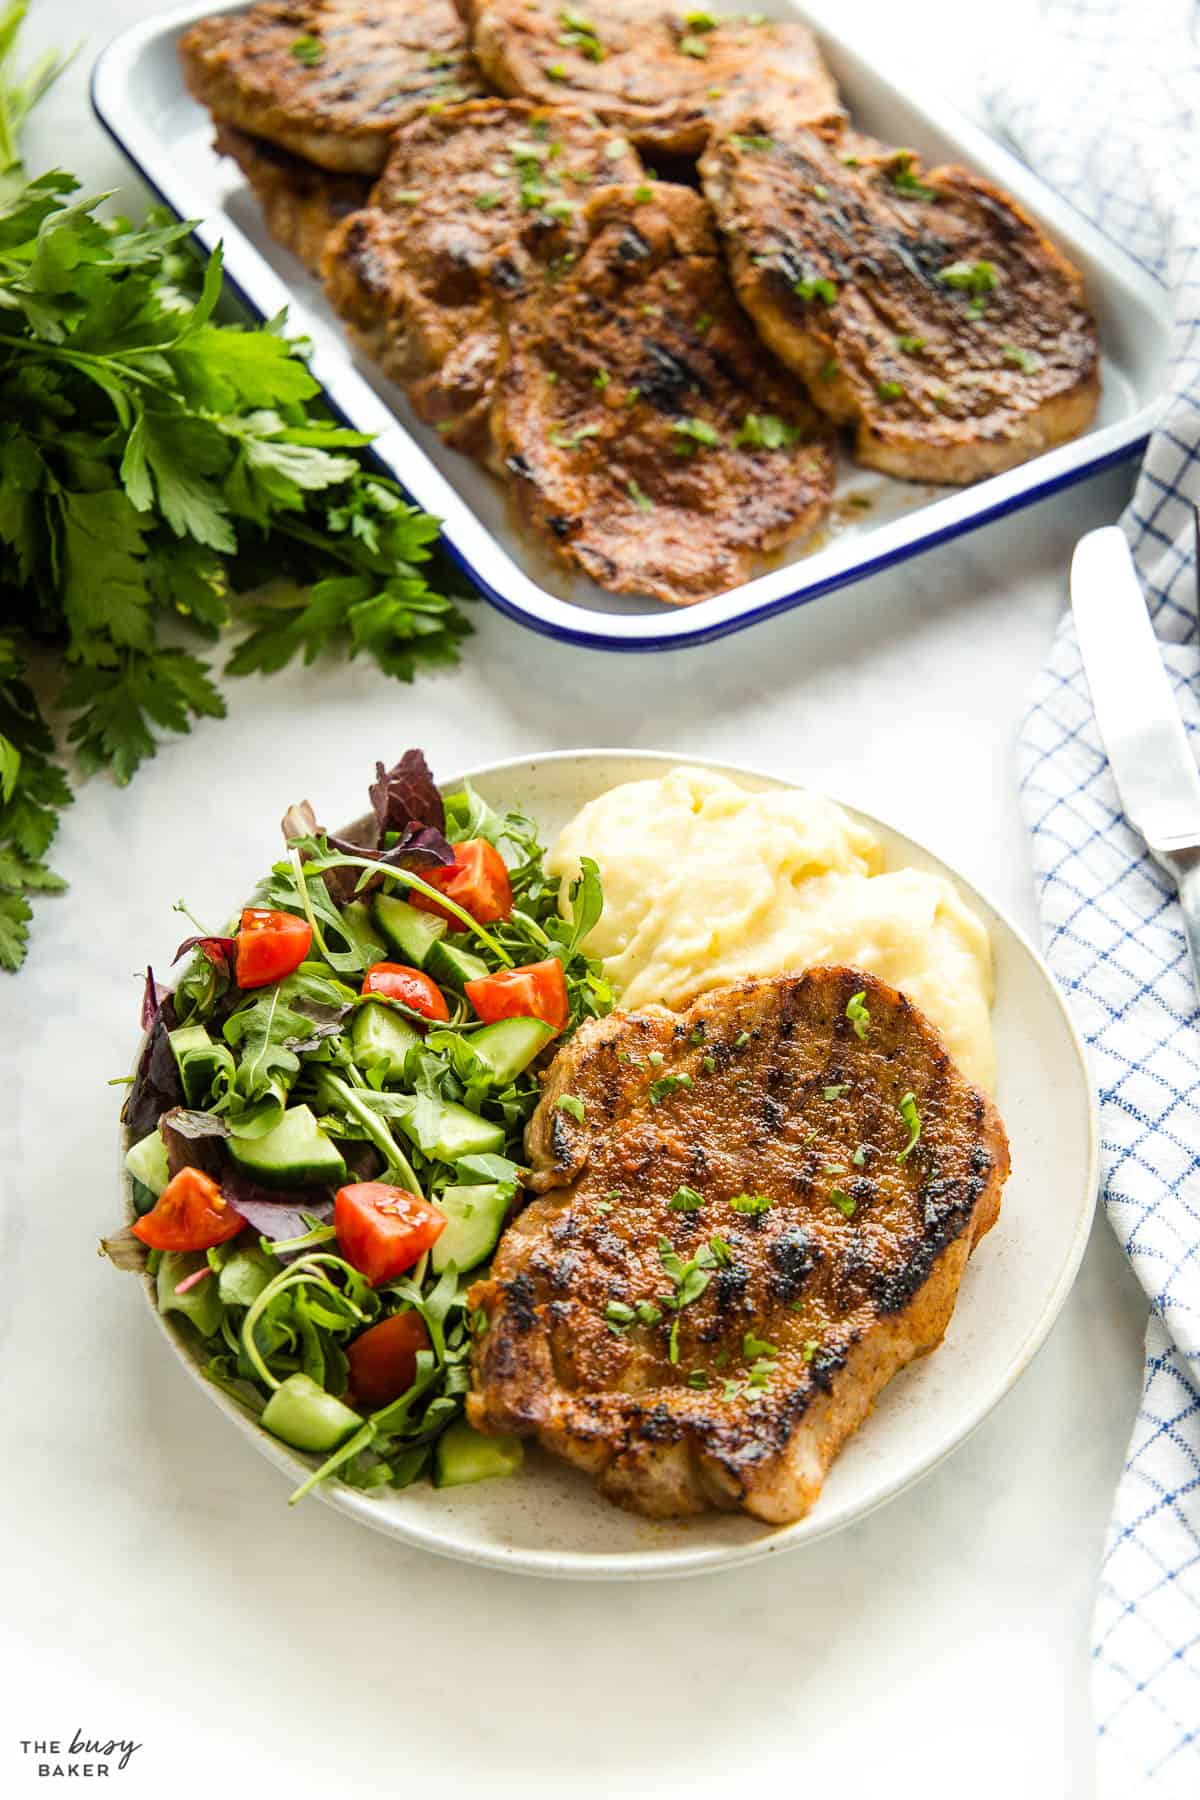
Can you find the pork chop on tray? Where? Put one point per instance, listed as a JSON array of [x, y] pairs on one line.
[[922, 306], [749, 1216]]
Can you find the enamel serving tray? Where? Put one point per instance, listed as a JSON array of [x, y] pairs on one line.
[[139, 96], [549, 1520]]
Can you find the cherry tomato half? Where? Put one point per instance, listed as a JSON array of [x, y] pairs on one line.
[[191, 1213], [383, 1359], [393, 981], [270, 945], [534, 991], [384, 1230], [478, 882]]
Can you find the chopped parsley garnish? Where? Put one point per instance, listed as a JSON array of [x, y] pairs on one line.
[[689, 1280], [977, 278], [830, 369], [618, 1313], [911, 346], [722, 1254], [615, 149], [819, 192], [751, 1203], [685, 1200], [308, 50], [694, 46], [709, 1065], [732, 1390], [698, 1379], [602, 1206], [694, 431], [762, 1371], [858, 1014], [655, 1058], [741, 1040], [648, 1313], [571, 440], [810, 1349], [696, 1036], [1028, 361], [571, 1103], [859, 1157], [756, 1346], [906, 183], [889, 390], [765, 431], [532, 196], [641, 193], [816, 287], [556, 71], [613, 1194], [561, 210], [758, 142], [580, 34], [843, 1202], [912, 1119], [407, 196], [703, 322], [836, 1092], [668, 1085], [640, 498], [631, 398], [700, 21], [486, 202]]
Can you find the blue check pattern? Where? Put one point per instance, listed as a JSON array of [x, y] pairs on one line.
[[1106, 105]]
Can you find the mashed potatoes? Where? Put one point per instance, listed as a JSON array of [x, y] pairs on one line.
[[706, 882]]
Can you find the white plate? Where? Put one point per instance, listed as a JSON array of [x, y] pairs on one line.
[[548, 1521], [139, 96]]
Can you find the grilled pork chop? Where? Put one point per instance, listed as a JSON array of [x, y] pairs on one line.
[[329, 80], [409, 274], [739, 1238], [300, 203], [664, 73], [650, 438], [923, 307]]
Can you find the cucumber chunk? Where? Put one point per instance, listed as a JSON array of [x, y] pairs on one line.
[[456, 1133], [410, 933], [509, 1046], [382, 1036], [296, 1153], [201, 1305], [453, 967], [200, 1061], [306, 1417], [462, 1455], [147, 1162], [474, 1218]]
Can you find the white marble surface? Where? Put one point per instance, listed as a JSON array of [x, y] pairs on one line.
[[157, 1586]]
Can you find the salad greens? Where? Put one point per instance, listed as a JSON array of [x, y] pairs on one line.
[[157, 462], [281, 1092]]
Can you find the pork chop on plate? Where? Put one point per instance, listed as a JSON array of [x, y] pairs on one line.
[[922, 306], [300, 203], [750, 1215]]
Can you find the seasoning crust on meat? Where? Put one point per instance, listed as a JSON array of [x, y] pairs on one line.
[[922, 306], [329, 80], [409, 275], [300, 203], [649, 437], [739, 1237]]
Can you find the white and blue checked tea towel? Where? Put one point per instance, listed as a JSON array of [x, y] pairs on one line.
[[1107, 108]]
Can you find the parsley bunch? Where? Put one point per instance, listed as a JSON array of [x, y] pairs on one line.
[[155, 464]]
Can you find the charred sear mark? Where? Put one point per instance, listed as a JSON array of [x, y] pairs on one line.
[[657, 1426], [665, 380], [519, 1298], [793, 1257], [631, 246]]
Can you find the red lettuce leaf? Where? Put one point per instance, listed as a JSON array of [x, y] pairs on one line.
[[156, 1084], [220, 951], [406, 796]]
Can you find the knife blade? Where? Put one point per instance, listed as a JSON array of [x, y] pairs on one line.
[[1139, 722]]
